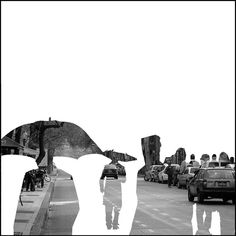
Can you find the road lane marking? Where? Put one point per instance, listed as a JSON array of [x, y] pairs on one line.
[[163, 213], [143, 225], [176, 219], [155, 209], [58, 203], [151, 230]]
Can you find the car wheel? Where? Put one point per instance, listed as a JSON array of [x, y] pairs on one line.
[[190, 196], [178, 185], [145, 178], [200, 197]]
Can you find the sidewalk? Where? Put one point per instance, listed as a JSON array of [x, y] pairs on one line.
[[31, 216]]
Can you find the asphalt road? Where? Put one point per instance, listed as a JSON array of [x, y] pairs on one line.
[[161, 210]]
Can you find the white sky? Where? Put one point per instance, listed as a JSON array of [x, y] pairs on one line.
[[123, 71]]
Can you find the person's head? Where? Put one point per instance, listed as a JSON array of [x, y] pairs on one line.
[[205, 157], [213, 157], [192, 157], [223, 156]]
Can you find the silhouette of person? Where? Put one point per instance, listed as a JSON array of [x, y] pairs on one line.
[[109, 188]]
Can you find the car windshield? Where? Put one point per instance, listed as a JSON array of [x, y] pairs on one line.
[[213, 164], [192, 170], [224, 163], [219, 174]]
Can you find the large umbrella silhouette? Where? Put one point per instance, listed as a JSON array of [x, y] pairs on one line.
[[56, 137], [52, 139]]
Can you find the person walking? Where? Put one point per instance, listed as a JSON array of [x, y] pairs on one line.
[[175, 175], [169, 172], [112, 205], [29, 181]]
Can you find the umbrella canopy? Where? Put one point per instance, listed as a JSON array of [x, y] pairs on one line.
[[8, 142]]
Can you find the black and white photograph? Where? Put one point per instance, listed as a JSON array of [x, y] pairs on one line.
[[118, 118]]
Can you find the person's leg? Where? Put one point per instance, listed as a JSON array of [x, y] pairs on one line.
[[27, 183], [42, 182], [108, 210], [32, 184], [116, 219], [169, 180]]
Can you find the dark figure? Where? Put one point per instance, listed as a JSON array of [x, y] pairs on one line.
[[40, 177], [192, 159], [29, 181], [231, 159], [169, 172], [175, 175], [213, 157]]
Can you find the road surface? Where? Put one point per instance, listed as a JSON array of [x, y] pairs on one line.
[[161, 210]]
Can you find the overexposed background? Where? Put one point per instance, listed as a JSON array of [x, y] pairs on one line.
[[123, 71]]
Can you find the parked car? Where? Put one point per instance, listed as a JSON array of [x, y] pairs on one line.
[[162, 176], [149, 174], [110, 171], [155, 173], [184, 178], [212, 183]]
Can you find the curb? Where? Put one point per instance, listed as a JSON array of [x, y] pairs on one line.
[[43, 211]]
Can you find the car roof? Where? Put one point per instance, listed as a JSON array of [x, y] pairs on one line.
[[173, 164], [216, 168], [110, 166]]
